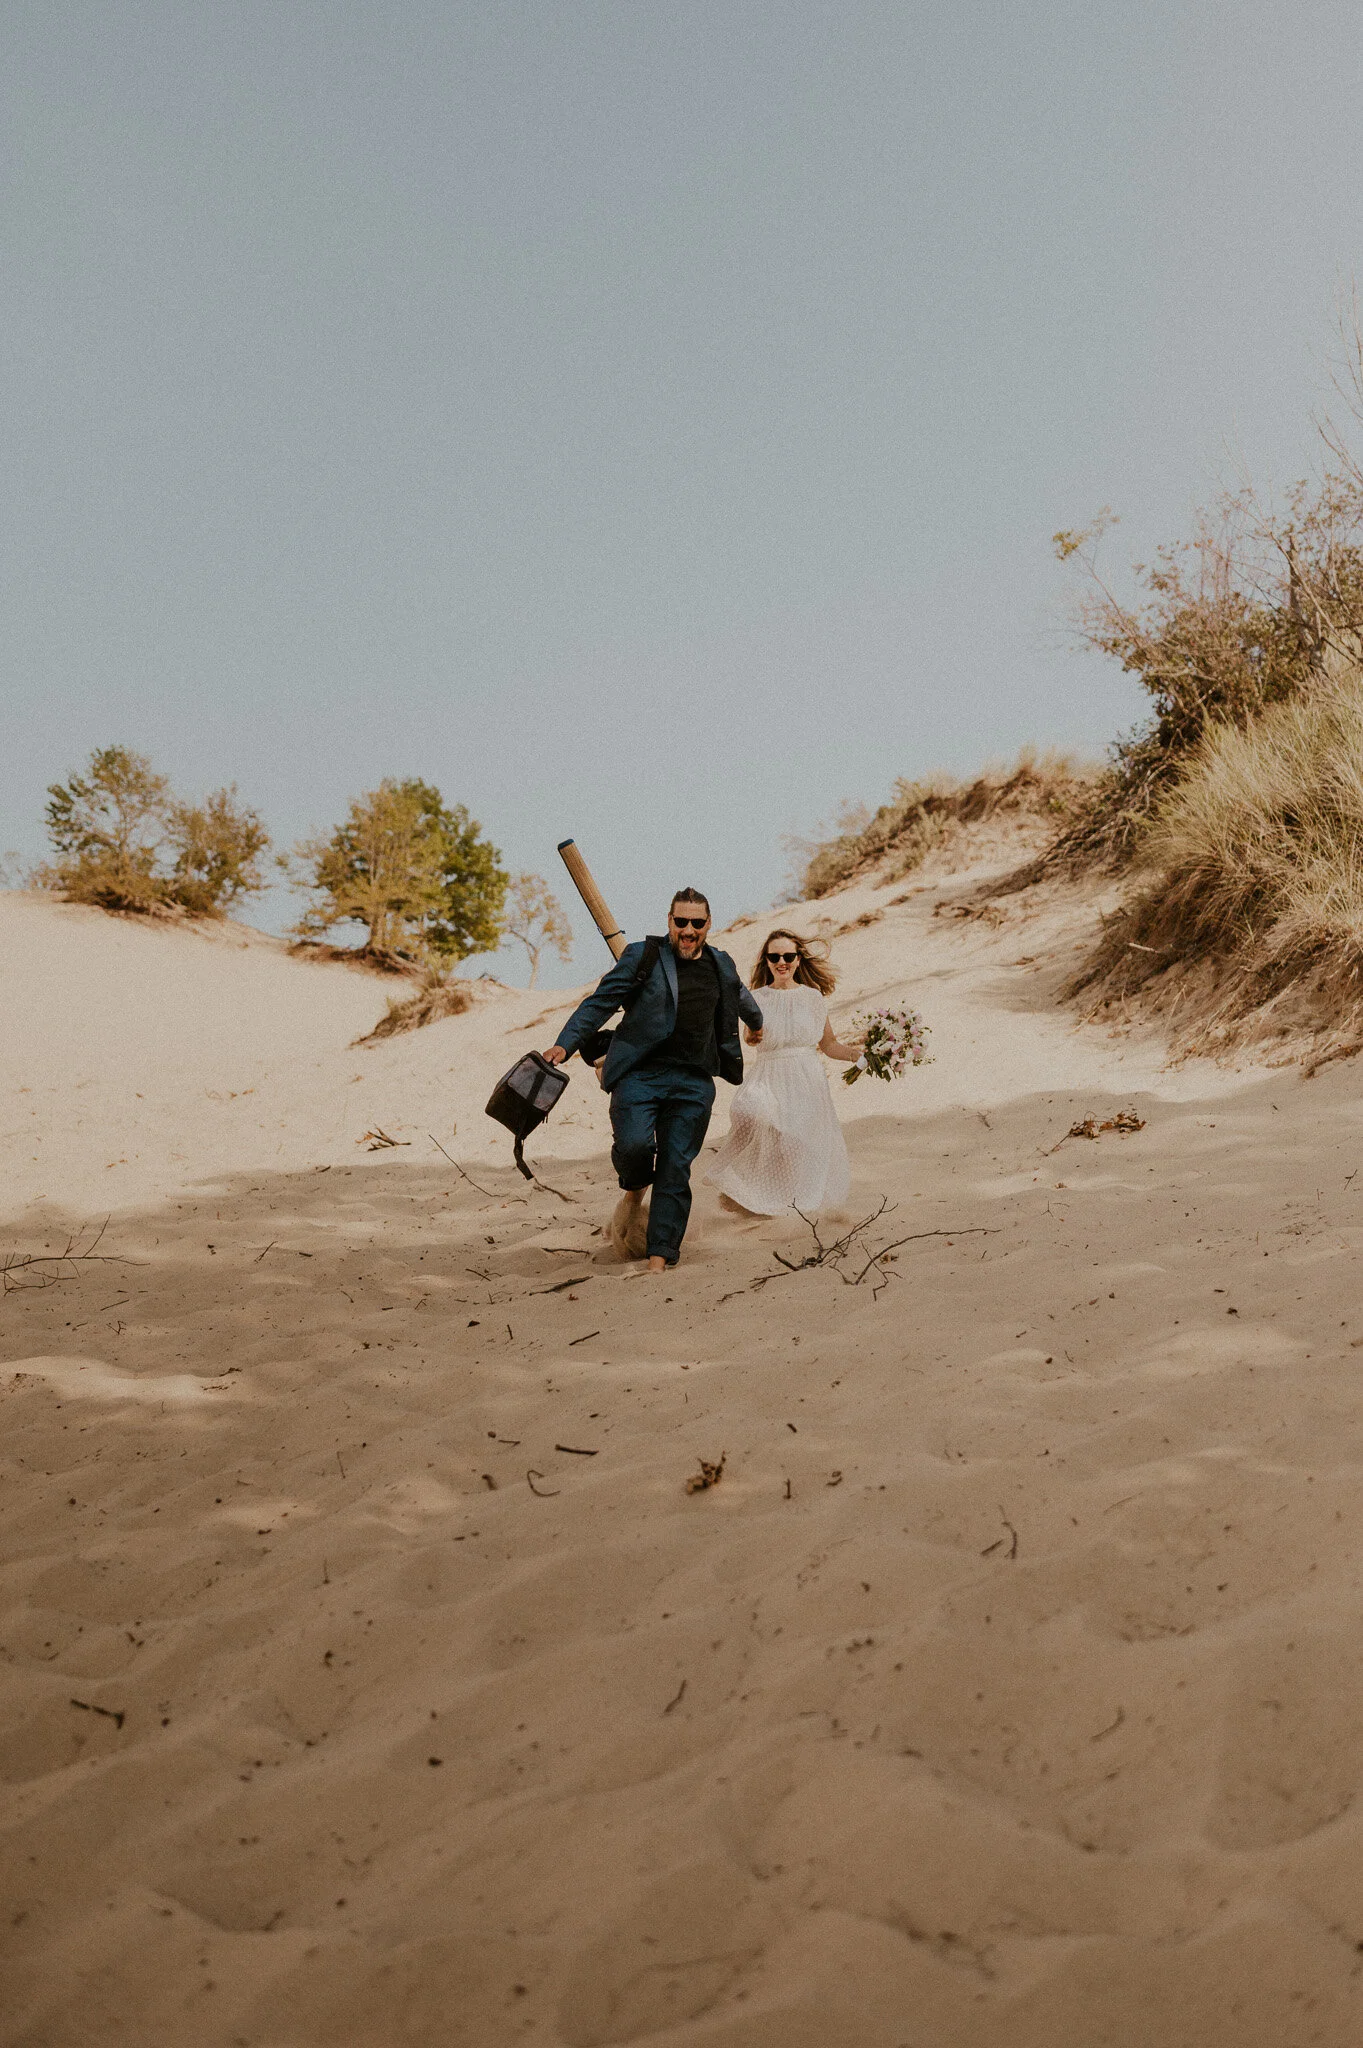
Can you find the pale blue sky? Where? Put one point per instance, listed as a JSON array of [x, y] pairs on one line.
[[646, 421]]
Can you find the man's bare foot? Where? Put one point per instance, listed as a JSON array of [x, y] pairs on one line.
[[655, 1265], [629, 1224]]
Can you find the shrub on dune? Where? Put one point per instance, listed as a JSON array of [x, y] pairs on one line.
[[217, 847], [1255, 867], [439, 995], [124, 842], [1242, 615], [926, 813]]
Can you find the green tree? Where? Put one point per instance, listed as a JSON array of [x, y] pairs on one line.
[[469, 917], [124, 841], [535, 917], [218, 846], [107, 828], [419, 877]]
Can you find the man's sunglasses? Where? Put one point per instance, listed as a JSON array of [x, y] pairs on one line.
[[785, 959], [682, 922]]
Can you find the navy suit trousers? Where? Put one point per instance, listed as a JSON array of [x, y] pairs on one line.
[[660, 1113]]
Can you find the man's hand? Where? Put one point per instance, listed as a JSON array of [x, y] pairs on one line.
[[555, 1055]]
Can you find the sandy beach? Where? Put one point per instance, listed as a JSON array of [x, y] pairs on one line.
[[370, 1676]]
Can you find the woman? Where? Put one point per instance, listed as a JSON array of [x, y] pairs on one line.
[[785, 1145]]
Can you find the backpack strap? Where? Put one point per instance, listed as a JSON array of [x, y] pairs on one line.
[[596, 1045], [653, 947]]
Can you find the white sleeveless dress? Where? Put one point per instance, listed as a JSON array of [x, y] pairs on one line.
[[785, 1147]]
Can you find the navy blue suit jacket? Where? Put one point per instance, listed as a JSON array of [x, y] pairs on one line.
[[653, 1012]]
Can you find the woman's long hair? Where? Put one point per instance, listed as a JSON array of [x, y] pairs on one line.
[[811, 969]]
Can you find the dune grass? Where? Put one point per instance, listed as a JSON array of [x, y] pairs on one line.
[[925, 814], [438, 996], [1250, 903]]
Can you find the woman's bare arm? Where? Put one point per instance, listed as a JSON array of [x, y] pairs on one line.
[[834, 1047]]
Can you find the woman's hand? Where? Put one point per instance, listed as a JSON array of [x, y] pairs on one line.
[[753, 1037], [833, 1047]]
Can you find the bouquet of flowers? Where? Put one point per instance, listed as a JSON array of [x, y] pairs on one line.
[[894, 1040]]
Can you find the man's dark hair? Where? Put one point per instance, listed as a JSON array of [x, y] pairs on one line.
[[689, 896]]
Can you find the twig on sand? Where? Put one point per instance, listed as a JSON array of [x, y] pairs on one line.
[[541, 1493], [44, 1269], [113, 1714], [676, 1698], [828, 1254], [1124, 1123], [535, 1180], [378, 1140], [964, 1230], [852, 1243], [457, 1167]]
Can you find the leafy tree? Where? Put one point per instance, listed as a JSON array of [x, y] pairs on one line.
[[123, 841], [106, 829], [473, 884], [217, 845], [420, 878], [535, 917]]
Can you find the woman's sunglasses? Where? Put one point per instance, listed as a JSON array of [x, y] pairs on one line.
[[785, 959], [683, 922]]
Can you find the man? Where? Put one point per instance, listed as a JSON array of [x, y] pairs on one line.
[[680, 1030]]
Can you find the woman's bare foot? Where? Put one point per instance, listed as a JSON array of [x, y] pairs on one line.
[[734, 1208], [629, 1224]]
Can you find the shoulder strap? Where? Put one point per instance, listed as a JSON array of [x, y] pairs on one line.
[[653, 946]]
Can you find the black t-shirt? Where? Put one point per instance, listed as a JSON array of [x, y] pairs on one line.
[[693, 1042]]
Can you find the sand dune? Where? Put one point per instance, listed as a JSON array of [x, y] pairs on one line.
[[369, 1675]]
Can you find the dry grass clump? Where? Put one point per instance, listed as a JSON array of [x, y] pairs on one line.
[[1255, 906], [438, 996], [923, 815]]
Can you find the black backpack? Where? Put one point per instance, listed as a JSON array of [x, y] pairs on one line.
[[524, 1097]]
